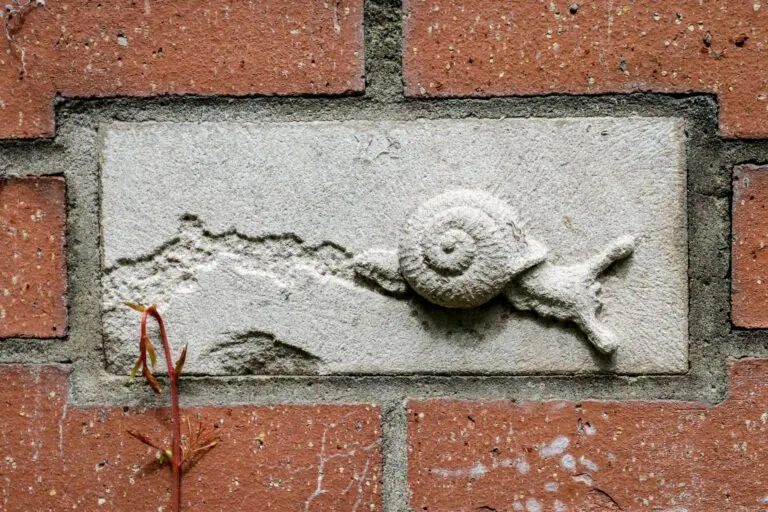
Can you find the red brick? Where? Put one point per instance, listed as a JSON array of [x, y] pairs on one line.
[[33, 272], [492, 48], [749, 303], [58, 457], [159, 47], [630, 455]]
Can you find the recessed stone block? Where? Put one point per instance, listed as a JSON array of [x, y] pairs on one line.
[[510, 246]]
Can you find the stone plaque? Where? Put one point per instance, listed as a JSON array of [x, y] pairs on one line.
[[510, 246]]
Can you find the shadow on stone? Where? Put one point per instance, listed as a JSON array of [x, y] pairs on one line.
[[260, 353]]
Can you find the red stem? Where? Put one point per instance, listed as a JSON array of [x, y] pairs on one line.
[[176, 457]]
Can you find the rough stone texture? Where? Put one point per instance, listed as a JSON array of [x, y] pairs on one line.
[[253, 230], [33, 266], [461, 248], [594, 456], [489, 48], [749, 303], [292, 457], [571, 293], [160, 47]]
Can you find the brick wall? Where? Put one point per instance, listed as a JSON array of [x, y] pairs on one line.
[[297, 438]]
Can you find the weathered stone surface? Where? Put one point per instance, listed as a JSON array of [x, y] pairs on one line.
[[33, 260], [749, 303], [54, 456], [597, 456], [247, 237]]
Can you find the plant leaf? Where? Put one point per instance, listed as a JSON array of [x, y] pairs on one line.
[[165, 456], [135, 370], [137, 307], [152, 380], [210, 443], [197, 443], [151, 350], [144, 439], [180, 362]]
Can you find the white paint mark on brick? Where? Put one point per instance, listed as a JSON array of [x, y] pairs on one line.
[[532, 505], [588, 464], [479, 470], [568, 462], [558, 446], [584, 479]]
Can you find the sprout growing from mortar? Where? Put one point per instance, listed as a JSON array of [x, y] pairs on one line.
[[183, 452]]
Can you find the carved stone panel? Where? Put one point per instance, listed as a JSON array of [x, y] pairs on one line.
[[396, 247]]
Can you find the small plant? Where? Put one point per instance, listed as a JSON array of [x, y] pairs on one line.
[[184, 451]]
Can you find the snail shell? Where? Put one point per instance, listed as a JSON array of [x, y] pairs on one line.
[[461, 248]]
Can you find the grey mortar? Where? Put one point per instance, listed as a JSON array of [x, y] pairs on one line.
[[73, 153]]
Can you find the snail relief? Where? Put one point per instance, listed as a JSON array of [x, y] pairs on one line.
[[465, 247]]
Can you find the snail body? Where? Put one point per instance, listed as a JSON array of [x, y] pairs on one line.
[[462, 248]]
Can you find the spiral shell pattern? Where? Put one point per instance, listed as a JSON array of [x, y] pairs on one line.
[[461, 248]]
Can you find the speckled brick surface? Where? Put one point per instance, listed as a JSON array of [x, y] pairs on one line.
[[153, 48], [565, 456], [291, 457], [33, 261], [749, 304], [492, 48]]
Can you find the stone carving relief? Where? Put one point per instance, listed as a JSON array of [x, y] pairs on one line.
[[400, 247], [462, 248]]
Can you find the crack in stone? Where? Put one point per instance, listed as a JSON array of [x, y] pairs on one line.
[[174, 268], [603, 498], [192, 235], [154, 277]]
